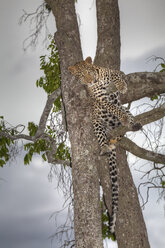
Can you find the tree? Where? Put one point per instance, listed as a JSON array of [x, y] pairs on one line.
[[88, 168]]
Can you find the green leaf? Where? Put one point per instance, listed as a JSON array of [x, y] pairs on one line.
[[2, 162], [63, 152], [105, 226], [12, 131], [32, 128], [38, 147], [48, 7], [113, 237], [8, 141], [57, 104], [4, 149], [163, 65], [155, 97], [44, 157], [26, 159], [163, 183], [50, 65]]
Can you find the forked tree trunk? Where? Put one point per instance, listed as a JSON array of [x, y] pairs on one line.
[[87, 166]]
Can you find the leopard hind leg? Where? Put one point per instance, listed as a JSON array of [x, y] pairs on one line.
[[134, 126], [100, 132], [113, 141], [112, 124]]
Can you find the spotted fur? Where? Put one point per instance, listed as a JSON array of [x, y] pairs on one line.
[[104, 86]]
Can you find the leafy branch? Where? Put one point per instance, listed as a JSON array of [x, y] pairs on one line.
[[49, 137]]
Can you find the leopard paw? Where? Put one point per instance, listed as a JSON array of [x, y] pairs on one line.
[[113, 141], [123, 89], [137, 126], [122, 86]]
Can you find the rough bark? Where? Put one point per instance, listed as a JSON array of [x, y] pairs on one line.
[[108, 30], [46, 111], [87, 213], [147, 84], [130, 229], [141, 152]]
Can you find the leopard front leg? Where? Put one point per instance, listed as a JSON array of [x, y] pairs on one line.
[[121, 86], [119, 82], [99, 127]]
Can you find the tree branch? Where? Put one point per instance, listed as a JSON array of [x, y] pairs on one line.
[[59, 161], [152, 115], [16, 137], [130, 146], [144, 119], [146, 84], [37, 20], [46, 111], [42, 123]]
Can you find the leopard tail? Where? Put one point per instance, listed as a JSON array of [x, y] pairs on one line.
[[115, 189]]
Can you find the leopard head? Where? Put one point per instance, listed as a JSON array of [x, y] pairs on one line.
[[83, 71]]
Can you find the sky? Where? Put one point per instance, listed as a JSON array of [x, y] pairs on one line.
[[28, 198]]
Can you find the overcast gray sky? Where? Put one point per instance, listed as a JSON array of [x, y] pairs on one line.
[[27, 197]]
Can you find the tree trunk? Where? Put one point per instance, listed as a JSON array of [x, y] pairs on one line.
[[131, 231], [108, 31], [87, 208]]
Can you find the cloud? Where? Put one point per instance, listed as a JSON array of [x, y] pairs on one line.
[[27, 202], [155, 222], [142, 26], [142, 62]]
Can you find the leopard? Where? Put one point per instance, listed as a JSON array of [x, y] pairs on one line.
[[104, 86]]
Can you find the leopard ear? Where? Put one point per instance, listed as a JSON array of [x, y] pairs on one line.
[[72, 69], [88, 60]]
